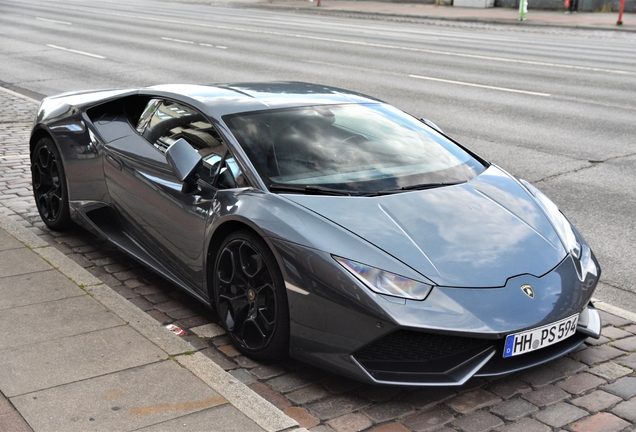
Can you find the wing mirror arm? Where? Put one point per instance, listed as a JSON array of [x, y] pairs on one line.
[[185, 162]]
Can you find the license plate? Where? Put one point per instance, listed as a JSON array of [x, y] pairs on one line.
[[541, 337]]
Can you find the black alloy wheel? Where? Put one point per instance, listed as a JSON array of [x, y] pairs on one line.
[[49, 185], [250, 297]]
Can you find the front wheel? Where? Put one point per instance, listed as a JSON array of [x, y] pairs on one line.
[[250, 296], [49, 185]]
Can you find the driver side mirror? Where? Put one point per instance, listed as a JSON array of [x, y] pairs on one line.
[[184, 161]]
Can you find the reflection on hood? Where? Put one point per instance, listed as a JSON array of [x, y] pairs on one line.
[[477, 234]]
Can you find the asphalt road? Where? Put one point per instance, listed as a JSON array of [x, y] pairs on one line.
[[556, 107]]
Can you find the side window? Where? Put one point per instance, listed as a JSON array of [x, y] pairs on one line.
[[164, 122]]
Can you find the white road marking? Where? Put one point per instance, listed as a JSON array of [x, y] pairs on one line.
[[212, 46], [178, 40], [480, 86], [76, 51], [53, 21]]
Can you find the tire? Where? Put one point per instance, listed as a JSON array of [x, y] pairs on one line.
[[49, 185], [250, 297]]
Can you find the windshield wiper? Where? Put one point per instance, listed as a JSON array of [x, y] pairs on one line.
[[421, 186], [311, 190]]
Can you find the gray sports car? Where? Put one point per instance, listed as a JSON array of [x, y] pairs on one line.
[[322, 224]]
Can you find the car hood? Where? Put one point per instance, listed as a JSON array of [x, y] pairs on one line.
[[478, 234]]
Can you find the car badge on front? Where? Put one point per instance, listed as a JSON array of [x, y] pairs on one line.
[[528, 290]]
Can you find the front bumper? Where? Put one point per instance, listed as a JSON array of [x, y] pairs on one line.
[[451, 360]]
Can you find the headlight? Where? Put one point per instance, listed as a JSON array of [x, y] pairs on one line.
[[383, 282], [561, 224]]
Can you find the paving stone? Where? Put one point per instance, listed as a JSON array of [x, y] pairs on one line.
[[627, 344], [541, 376], [391, 427], [125, 292], [614, 333], [208, 331], [221, 341], [626, 410], [321, 428], [601, 422], [133, 283], [246, 362], [508, 388], [560, 415], [429, 420], [308, 394], [546, 396], [379, 394], [160, 316], [219, 359], [142, 303], [628, 361], [610, 371], [525, 425], [385, 411], [148, 290], [338, 384], [336, 406], [195, 342], [156, 298], [428, 397], [596, 354], [196, 321], [292, 381], [631, 328], [181, 313], [170, 306], [267, 393], [350, 423], [597, 401], [229, 350], [567, 365], [304, 419], [624, 387], [514, 409], [480, 421], [613, 320], [580, 383], [472, 400], [264, 372], [243, 376]]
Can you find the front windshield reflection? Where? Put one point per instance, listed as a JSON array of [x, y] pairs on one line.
[[352, 147]]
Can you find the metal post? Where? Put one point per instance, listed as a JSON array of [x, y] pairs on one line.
[[621, 7], [523, 9]]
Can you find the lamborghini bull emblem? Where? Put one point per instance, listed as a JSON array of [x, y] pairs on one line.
[[528, 290]]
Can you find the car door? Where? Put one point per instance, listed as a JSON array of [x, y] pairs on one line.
[[169, 224]]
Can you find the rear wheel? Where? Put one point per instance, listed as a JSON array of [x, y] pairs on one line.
[[250, 296], [49, 185]]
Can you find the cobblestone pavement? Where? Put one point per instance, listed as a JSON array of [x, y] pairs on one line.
[[592, 389]]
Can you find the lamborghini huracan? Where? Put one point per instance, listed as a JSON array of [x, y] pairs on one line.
[[324, 225]]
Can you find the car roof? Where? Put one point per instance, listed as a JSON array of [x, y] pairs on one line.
[[222, 99]]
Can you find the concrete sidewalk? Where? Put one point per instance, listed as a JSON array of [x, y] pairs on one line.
[[76, 356], [416, 11]]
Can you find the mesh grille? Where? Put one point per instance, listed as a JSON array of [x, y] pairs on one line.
[[405, 345]]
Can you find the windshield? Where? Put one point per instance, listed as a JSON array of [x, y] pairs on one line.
[[351, 148]]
